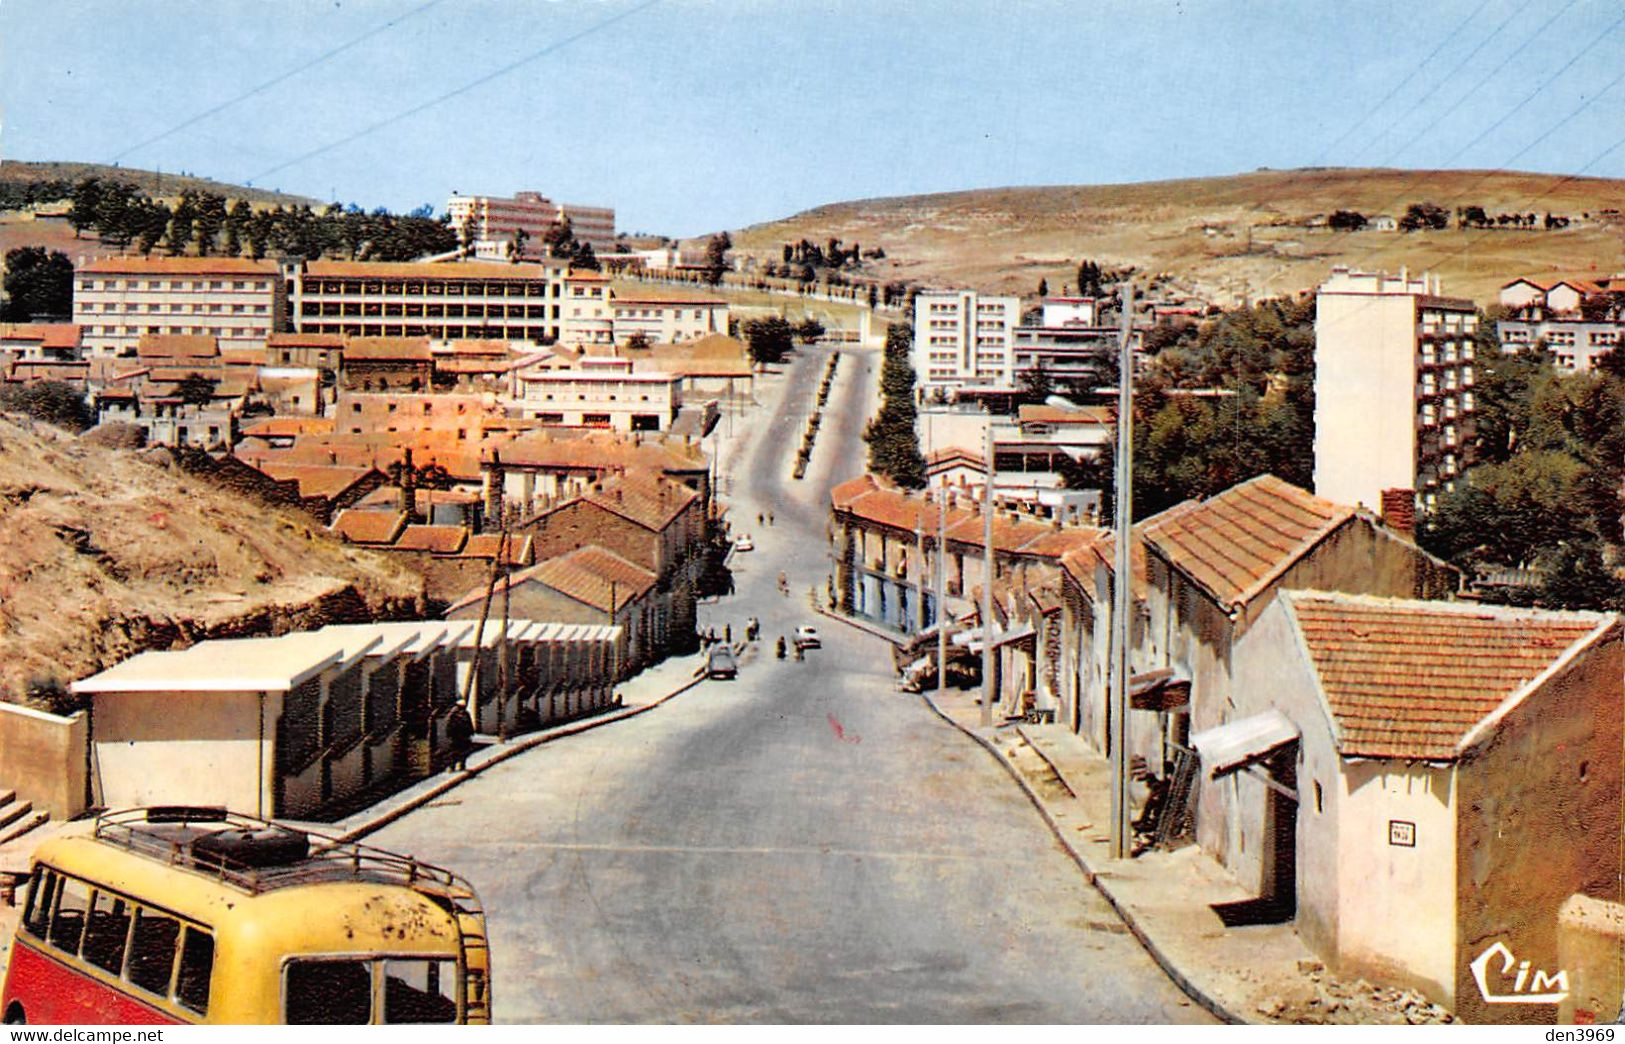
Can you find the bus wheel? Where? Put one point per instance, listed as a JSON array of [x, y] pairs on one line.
[[15, 1016]]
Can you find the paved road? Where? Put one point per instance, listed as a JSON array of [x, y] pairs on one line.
[[803, 845]]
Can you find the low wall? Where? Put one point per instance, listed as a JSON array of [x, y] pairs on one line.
[[43, 758]]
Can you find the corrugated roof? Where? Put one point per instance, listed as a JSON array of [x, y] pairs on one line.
[[1235, 544], [1410, 679]]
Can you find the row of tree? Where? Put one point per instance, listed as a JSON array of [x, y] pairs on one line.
[[16, 195], [39, 285], [207, 223], [831, 255], [1424, 215], [894, 446]]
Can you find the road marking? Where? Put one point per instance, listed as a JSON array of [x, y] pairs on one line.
[[764, 850]]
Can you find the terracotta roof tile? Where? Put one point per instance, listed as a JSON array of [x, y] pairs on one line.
[[590, 575], [442, 540], [1235, 544], [271, 426], [49, 335], [841, 496], [651, 501], [315, 480], [387, 349], [304, 340], [369, 527], [1408, 679], [153, 347], [427, 270], [177, 266]]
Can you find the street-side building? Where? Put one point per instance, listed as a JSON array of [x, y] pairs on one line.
[[1447, 775], [665, 315], [1394, 399], [462, 415], [589, 585], [529, 472], [117, 300], [1211, 570], [599, 392]]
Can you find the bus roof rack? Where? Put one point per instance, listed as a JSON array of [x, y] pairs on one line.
[[166, 833]]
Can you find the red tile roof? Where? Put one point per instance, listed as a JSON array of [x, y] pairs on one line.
[[486, 545], [304, 340], [441, 540], [842, 496], [485, 271], [1237, 543], [1408, 679], [154, 347], [387, 349], [650, 501], [315, 480], [177, 266], [369, 527], [49, 335], [590, 575], [1066, 415], [273, 426]]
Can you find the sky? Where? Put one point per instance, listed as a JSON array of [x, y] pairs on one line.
[[690, 116]]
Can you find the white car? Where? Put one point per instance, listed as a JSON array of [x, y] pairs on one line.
[[807, 638], [744, 544]]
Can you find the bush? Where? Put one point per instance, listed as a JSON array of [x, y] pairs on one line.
[[54, 402]]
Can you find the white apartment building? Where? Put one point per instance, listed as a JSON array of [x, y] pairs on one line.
[[588, 317], [1575, 344], [602, 392], [468, 299], [494, 219], [118, 299], [963, 340], [1393, 387]]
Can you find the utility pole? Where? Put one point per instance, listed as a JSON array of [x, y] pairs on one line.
[[1122, 580], [942, 587], [987, 579]]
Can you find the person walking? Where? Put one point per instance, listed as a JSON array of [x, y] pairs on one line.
[[460, 734]]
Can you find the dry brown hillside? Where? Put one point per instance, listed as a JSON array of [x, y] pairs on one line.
[[1220, 237], [104, 554]]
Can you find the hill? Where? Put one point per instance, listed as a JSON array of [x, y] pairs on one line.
[[1220, 238], [153, 183], [108, 554]]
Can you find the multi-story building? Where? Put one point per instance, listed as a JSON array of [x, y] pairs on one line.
[[1068, 342], [600, 392], [495, 219], [1393, 389], [440, 301], [1575, 344], [118, 299], [964, 340], [588, 316], [666, 315]]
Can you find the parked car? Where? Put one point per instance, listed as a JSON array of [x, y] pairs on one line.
[[807, 638], [722, 663], [744, 544]]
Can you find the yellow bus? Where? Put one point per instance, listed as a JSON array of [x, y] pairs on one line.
[[197, 915]]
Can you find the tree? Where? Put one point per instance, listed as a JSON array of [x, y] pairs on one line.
[[768, 338], [894, 448], [195, 389], [87, 197], [585, 259], [639, 341], [560, 238], [1346, 221], [1089, 279], [1424, 215], [55, 402], [716, 257], [38, 284], [516, 245], [1043, 287], [809, 330], [1035, 386]]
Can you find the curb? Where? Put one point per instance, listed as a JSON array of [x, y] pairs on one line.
[[1124, 913], [417, 801]]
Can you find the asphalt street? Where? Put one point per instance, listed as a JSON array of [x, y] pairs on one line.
[[802, 845]]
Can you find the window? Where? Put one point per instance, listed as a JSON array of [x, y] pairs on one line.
[[152, 950], [327, 993], [69, 921], [417, 991], [41, 897], [196, 970], [105, 932]]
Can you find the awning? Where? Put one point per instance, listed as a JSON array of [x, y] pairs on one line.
[[1229, 748], [1011, 637], [1159, 690]]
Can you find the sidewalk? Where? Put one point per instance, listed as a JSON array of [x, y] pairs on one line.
[[1247, 974]]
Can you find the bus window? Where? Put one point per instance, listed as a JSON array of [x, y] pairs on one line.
[[105, 932], [69, 922], [152, 951], [197, 965], [420, 990], [40, 895], [328, 993]]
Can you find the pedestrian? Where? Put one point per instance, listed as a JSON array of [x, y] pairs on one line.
[[728, 633], [460, 734], [770, 518], [758, 518], [779, 651]]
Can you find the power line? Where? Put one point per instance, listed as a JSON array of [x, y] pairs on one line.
[[456, 92], [1374, 109], [1448, 76], [268, 84]]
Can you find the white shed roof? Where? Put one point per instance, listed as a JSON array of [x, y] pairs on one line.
[[224, 665]]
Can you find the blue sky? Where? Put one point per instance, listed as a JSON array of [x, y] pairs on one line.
[[692, 115]]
